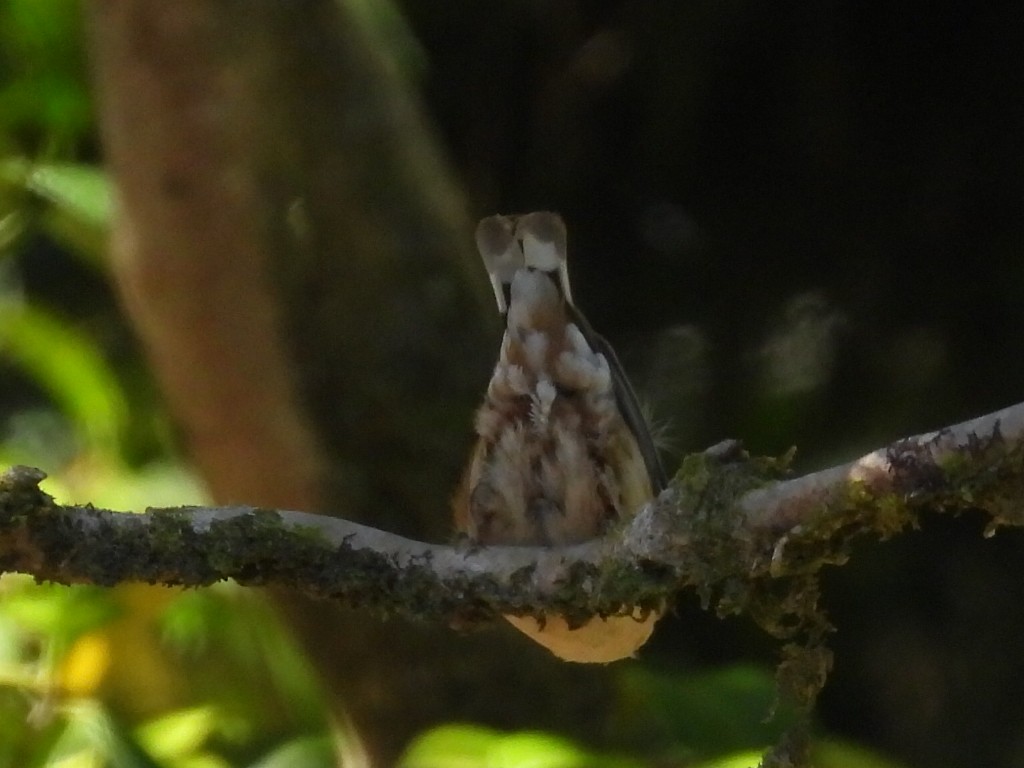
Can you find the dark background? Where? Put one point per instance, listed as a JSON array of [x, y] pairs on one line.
[[800, 224]]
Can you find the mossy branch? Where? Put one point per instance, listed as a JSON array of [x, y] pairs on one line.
[[727, 526]]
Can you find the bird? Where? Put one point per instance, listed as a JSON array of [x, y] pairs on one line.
[[563, 451]]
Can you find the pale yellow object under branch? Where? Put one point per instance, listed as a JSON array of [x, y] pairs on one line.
[[598, 641]]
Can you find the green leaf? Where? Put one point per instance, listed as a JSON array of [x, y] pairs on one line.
[[45, 33], [41, 54], [451, 746], [83, 190], [536, 750], [474, 746], [178, 734], [56, 611], [79, 197], [93, 737], [710, 713], [70, 368], [53, 104], [747, 759], [305, 751]]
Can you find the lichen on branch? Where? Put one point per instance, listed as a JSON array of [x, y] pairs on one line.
[[727, 526]]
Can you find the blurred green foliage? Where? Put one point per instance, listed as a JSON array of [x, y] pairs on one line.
[[74, 202], [43, 93], [705, 713], [137, 676], [452, 746], [473, 746], [59, 649]]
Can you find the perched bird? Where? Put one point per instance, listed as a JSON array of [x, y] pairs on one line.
[[563, 450]]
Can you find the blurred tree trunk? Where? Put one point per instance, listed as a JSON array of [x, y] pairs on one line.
[[295, 258]]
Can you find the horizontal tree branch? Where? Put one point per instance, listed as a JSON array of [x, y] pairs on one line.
[[725, 526]]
